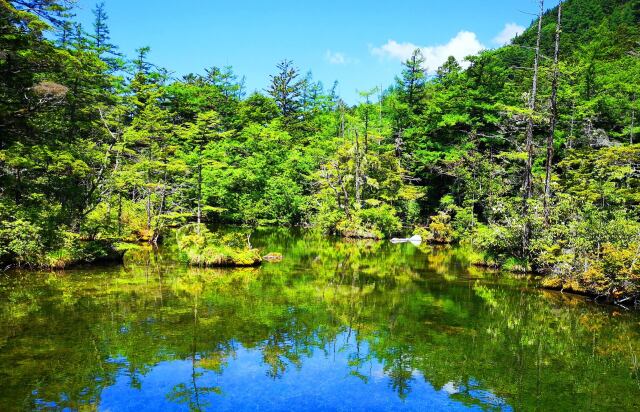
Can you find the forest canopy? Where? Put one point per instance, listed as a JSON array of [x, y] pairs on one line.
[[529, 154]]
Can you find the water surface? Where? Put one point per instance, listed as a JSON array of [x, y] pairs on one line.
[[337, 325]]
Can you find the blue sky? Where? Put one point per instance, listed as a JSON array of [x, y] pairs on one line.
[[360, 43]]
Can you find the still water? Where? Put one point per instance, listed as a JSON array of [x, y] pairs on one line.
[[337, 325]]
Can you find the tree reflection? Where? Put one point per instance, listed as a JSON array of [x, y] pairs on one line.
[[421, 315]]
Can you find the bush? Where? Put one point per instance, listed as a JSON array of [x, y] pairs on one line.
[[356, 228], [20, 242], [382, 218], [374, 222], [103, 221], [73, 250], [204, 248], [440, 230], [591, 251], [328, 217], [616, 273]]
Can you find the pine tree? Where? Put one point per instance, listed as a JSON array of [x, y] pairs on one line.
[[412, 81], [286, 89], [101, 39]]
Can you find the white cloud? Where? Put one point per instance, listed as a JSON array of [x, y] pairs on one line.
[[394, 50], [464, 44], [507, 34], [336, 57]]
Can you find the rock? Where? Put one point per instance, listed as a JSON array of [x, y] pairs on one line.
[[597, 138], [361, 234], [416, 240], [273, 257]]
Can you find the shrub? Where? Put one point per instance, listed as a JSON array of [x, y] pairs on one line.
[[20, 242], [356, 228], [382, 219], [204, 248], [440, 230]]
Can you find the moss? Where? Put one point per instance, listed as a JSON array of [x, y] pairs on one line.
[[204, 248], [223, 256], [77, 251]]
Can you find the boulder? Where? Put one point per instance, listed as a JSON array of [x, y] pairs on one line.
[[273, 257]]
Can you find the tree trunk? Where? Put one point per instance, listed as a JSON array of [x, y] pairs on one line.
[[119, 213], [528, 178], [573, 123], [199, 193], [633, 120], [148, 207], [366, 127], [149, 190], [358, 193], [163, 198], [553, 120]]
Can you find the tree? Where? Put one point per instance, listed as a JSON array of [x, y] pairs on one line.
[[448, 68], [101, 39], [412, 81], [287, 90], [528, 178], [198, 136], [553, 120]]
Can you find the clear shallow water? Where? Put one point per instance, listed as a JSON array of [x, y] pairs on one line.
[[337, 325]]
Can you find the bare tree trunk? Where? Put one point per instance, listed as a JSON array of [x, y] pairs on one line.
[[148, 209], [633, 120], [341, 120], [163, 198], [366, 126], [199, 194], [149, 191], [119, 213], [325, 174], [528, 178], [573, 123], [554, 118], [347, 208], [358, 193]]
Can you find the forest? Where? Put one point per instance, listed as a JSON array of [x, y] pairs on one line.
[[529, 155]]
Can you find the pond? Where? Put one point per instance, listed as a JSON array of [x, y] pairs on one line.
[[337, 325]]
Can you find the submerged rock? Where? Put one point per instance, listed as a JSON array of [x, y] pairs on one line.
[[361, 234], [273, 257]]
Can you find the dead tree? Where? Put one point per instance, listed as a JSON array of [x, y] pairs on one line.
[[528, 178], [554, 118]]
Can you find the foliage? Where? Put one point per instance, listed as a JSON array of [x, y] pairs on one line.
[[201, 247], [102, 148]]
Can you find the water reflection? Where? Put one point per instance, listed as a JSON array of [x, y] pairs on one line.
[[328, 377], [345, 325]]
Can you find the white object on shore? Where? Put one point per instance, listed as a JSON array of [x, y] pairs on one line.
[[416, 240]]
